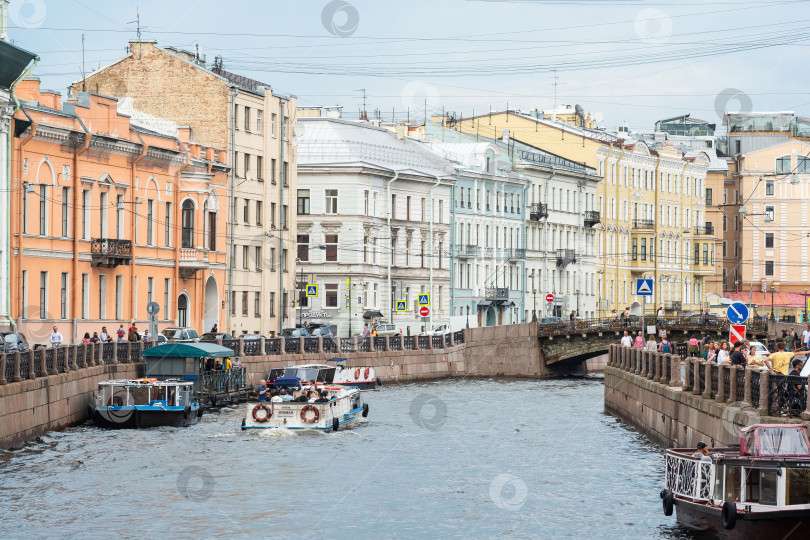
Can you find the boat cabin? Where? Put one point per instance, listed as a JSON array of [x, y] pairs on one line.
[[146, 392], [320, 373]]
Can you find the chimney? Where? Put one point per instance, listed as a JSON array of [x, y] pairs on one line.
[[401, 132], [223, 156], [505, 136], [209, 154]]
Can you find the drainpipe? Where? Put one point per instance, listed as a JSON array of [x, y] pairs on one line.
[[656, 283], [618, 244], [178, 230], [232, 210], [432, 259], [133, 216], [390, 243], [77, 193], [451, 242], [8, 181], [283, 216], [525, 246], [545, 230]]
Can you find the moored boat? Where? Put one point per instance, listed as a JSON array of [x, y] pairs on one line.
[[341, 406], [143, 403], [335, 374], [759, 489]]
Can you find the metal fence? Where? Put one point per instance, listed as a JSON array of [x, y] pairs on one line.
[[692, 323], [311, 345], [346, 344], [224, 381], [787, 395], [272, 346], [251, 347]]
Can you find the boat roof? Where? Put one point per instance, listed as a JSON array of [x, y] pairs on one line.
[[145, 382], [188, 350], [310, 366], [774, 440]]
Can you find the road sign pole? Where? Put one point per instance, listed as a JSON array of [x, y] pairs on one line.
[[643, 328]]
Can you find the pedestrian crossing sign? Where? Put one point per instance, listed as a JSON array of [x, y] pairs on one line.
[[644, 287], [424, 300], [312, 290], [401, 305]]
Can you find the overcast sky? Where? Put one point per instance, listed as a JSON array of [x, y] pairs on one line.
[[629, 60]]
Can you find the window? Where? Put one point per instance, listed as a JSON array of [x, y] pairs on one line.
[[85, 296], [424, 208], [422, 255], [260, 168], [768, 240], [187, 224], [768, 268], [119, 297], [247, 164], [284, 216], [331, 201], [65, 212], [643, 249], [167, 294], [303, 202], [86, 214], [273, 120], [244, 303], [273, 171], [284, 261], [768, 187], [725, 223], [768, 214], [802, 164], [724, 248], [245, 257], [247, 118], [705, 253], [284, 168], [365, 202], [42, 211], [737, 146], [63, 296], [258, 212], [393, 207], [246, 211], [408, 207], [331, 294], [119, 218], [272, 259], [634, 253], [233, 303], [331, 247], [783, 164], [212, 231], [168, 224], [257, 304], [43, 295], [273, 215], [303, 247], [272, 304], [708, 197], [150, 222], [259, 115], [258, 253]]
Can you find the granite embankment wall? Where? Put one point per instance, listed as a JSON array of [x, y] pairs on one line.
[[679, 402], [45, 392]]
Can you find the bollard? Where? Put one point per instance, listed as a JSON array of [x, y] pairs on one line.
[[764, 390], [707, 382], [732, 384], [721, 385], [282, 345], [32, 372], [675, 370], [747, 388]]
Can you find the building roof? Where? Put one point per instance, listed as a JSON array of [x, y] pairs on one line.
[[333, 141], [13, 61], [780, 299], [244, 83]]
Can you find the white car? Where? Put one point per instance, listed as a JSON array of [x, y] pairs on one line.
[[761, 349], [437, 331]]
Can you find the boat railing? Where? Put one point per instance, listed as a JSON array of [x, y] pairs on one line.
[[224, 381], [690, 477]]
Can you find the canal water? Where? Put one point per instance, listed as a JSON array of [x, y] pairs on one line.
[[456, 458]]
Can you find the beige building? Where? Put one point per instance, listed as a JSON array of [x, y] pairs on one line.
[[254, 123]]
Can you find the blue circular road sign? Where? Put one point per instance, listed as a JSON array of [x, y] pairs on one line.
[[737, 313]]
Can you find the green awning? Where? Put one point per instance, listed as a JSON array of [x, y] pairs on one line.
[[13, 62], [188, 350]]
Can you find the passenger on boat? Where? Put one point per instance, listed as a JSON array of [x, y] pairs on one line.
[[276, 398], [236, 363], [209, 364], [285, 396], [324, 397], [313, 396], [261, 392], [702, 452], [303, 397]]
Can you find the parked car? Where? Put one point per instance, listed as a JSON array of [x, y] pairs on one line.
[[213, 336], [322, 331], [438, 330], [14, 341], [386, 329], [294, 332], [700, 318], [183, 334], [248, 337], [761, 349]]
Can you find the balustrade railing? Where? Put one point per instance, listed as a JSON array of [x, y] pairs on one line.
[[347, 344], [739, 395], [379, 343], [714, 379], [409, 343], [330, 345], [61, 360], [395, 342], [755, 382], [291, 346], [424, 342], [135, 348], [787, 395], [310, 345], [272, 346], [437, 342], [50, 367], [458, 337], [232, 344], [252, 347]]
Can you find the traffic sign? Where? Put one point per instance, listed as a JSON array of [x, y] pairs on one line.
[[737, 313], [736, 333], [549, 297], [153, 308], [312, 290], [424, 311], [401, 305], [644, 287], [423, 300]]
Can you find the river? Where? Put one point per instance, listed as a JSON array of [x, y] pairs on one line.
[[455, 458]]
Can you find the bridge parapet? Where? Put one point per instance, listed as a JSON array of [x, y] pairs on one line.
[[632, 324]]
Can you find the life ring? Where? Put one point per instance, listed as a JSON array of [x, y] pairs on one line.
[[356, 374], [667, 502], [262, 407], [729, 515], [306, 409], [365, 374]]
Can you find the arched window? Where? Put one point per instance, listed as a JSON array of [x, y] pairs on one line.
[[188, 224]]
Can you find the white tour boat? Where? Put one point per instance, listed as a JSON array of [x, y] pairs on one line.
[[760, 489], [143, 403], [336, 374], [342, 406]]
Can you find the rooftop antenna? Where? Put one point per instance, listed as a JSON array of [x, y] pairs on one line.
[[363, 115], [556, 83], [84, 73]]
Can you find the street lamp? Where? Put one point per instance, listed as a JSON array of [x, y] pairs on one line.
[[772, 291], [805, 305], [577, 302], [601, 273], [301, 287], [534, 292]]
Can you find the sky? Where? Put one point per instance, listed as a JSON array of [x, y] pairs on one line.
[[631, 61]]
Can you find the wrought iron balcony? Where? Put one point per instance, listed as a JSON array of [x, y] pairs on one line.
[[566, 257], [592, 218], [465, 251], [707, 230], [644, 224], [109, 253], [497, 293], [538, 211]]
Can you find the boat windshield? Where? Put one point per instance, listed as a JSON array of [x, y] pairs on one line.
[[138, 395], [305, 374], [778, 442]]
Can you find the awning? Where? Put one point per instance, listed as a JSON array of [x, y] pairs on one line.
[[484, 303], [507, 303], [188, 350], [13, 62]]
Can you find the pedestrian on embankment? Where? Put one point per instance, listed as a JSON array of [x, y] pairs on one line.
[[627, 341]]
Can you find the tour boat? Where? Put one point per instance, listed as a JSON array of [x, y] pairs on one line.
[[143, 403], [345, 406], [338, 374], [760, 489]]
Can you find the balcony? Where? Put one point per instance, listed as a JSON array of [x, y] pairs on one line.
[[707, 230], [497, 293], [538, 211], [510, 254], [592, 218], [109, 253], [467, 251], [566, 257], [192, 260], [644, 224]]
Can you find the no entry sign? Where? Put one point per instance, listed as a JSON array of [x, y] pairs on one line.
[[549, 297], [424, 311], [736, 333]]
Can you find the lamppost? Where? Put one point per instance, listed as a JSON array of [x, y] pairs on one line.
[[600, 272], [805, 305], [534, 293], [577, 302], [301, 286], [772, 291]]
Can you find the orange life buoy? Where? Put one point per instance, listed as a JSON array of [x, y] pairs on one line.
[[356, 374], [306, 409], [365, 375], [268, 412]]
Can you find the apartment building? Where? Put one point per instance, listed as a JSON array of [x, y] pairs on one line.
[[110, 212], [374, 211], [254, 122]]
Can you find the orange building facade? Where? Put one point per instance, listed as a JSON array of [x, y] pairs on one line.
[[108, 215]]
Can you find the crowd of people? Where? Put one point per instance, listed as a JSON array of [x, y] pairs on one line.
[[305, 395], [121, 335]]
